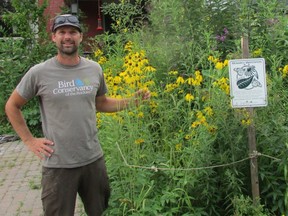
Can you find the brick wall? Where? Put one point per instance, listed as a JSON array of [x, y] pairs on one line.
[[53, 8]]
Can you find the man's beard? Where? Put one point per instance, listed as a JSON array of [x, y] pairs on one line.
[[68, 51]]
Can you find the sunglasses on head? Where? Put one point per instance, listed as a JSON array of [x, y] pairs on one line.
[[66, 19]]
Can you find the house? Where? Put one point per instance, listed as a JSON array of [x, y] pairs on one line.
[[94, 20], [91, 16], [89, 10]]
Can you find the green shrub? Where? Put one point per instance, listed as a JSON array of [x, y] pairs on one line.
[[19, 54]]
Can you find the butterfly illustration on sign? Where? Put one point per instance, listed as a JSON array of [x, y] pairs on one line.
[[247, 77]]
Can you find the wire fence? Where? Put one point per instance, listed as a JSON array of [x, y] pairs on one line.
[[255, 154]]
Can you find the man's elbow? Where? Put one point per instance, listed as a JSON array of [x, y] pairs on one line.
[[13, 104], [9, 107]]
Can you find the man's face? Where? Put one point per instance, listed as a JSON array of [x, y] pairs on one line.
[[67, 40]]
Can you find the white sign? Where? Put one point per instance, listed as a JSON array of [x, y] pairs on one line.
[[248, 82]]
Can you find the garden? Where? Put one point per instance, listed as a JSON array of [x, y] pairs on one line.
[[185, 151]]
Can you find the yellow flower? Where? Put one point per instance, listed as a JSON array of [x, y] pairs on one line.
[[149, 83], [140, 114], [173, 73], [211, 58], [204, 98], [144, 62], [223, 84], [199, 114], [142, 53], [208, 111], [117, 80], [154, 94], [123, 74], [137, 69], [257, 52], [195, 124], [284, 71], [130, 113], [189, 97], [212, 129], [128, 46], [246, 122], [98, 53], [215, 60], [149, 69], [170, 87], [190, 81], [178, 147], [102, 60], [187, 137], [201, 118], [219, 65], [99, 121], [153, 106], [180, 80], [198, 79], [139, 141]]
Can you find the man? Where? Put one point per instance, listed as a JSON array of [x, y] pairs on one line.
[[70, 90]]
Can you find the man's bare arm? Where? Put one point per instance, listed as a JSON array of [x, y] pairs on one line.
[[106, 104], [40, 146]]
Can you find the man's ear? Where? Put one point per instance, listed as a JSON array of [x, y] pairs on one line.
[[53, 36]]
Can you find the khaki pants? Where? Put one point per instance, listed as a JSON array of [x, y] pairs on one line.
[[60, 187]]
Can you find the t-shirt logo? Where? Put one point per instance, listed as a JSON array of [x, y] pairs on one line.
[[73, 87]]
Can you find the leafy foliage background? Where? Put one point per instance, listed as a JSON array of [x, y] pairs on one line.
[[173, 40]]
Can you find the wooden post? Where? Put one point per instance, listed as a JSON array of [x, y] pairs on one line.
[[251, 136]]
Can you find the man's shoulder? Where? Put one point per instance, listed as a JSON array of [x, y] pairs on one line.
[[43, 64], [90, 62]]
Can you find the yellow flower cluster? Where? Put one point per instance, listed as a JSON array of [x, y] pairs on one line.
[[98, 53], [257, 52], [284, 71], [195, 81], [125, 76], [246, 122], [201, 119], [218, 64], [181, 83], [134, 73], [170, 87], [222, 83], [244, 117]]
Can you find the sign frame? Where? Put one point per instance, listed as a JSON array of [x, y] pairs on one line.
[[248, 86]]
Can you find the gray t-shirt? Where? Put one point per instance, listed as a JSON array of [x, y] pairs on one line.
[[68, 111]]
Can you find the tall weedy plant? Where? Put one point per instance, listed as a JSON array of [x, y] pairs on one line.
[[189, 122]]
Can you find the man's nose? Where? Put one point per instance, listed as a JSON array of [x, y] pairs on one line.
[[67, 36]]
